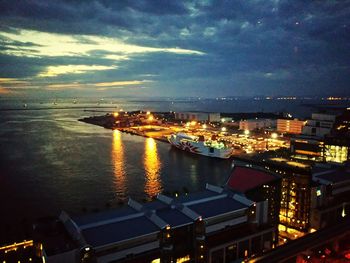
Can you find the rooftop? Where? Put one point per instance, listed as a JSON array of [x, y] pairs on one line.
[[243, 179], [332, 176], [135, 220], [122, 230], [215, 207]]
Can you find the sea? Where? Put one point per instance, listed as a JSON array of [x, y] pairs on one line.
[[51, 162]]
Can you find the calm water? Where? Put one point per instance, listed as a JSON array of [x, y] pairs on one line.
[[49, 161]]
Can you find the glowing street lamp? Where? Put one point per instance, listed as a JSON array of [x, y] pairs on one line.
[[151, 118], [246, 132], [274, 135], [223, 129], [204, 126], [148, 113], [115, 114]]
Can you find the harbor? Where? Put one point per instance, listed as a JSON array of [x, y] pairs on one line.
[[161, 125]]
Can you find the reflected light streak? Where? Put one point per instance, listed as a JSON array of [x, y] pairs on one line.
[[152, 166], [118, 164]]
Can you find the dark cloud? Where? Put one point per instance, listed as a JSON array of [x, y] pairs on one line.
[[251, 46]]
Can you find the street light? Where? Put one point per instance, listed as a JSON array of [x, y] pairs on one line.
[[274, 135]]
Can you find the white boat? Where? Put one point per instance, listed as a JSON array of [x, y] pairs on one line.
[[199, 145]]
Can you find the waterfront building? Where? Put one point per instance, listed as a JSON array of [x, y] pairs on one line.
[[215, 225], [256, 124], [290, 126], [198, 116]]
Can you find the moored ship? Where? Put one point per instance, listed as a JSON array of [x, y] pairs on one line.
[[198, 145]]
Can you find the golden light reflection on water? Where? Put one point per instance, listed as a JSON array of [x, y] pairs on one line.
[[152, 165], [118, 164]]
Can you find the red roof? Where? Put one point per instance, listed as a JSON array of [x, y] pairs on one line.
[[243, 179]]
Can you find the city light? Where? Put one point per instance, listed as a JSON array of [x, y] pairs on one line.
[[246, 132], [204, 126], [115, 114], [223, 129], [274, 135]]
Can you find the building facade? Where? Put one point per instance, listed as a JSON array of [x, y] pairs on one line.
[[307, 148], [290, 126], [256, 124], [319, 125]]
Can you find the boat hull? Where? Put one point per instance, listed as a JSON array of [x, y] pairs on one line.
[[198, 147]]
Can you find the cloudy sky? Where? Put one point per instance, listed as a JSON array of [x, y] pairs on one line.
[[175, 48]]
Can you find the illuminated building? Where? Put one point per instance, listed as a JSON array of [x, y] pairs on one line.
[[215, 225], [337, 144], [256, 124], [307, 148], [258, 184], [290, 126], [327, 139], [294, 212], [198, 116], [311, 145], [24, 251]]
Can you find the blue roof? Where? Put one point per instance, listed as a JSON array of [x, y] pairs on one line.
[[154, 205], [335, 176], [125, 223], [174, 217], [115, 232], [216, 207], [195, 196], [105, 215]]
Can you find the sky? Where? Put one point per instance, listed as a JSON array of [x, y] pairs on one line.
[[151, 48]]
